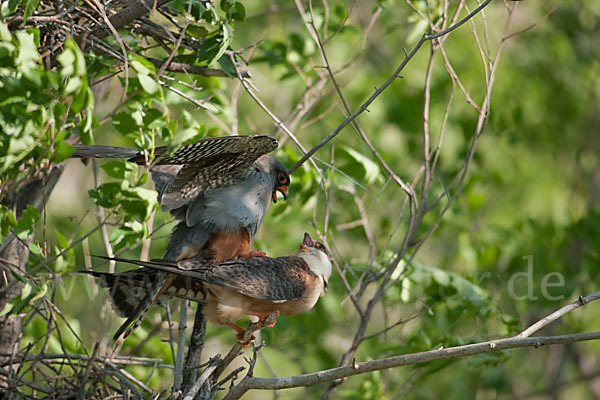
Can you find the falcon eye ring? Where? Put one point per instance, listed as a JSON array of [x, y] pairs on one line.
[[282, 178]]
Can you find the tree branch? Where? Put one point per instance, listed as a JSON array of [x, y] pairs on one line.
[[249, 383], [195, 70], [520, 340], [384, 86], [580, 302], [135, 10]]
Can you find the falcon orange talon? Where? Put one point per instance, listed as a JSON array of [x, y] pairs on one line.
[[271, 324], [240, 338], [263, 317]]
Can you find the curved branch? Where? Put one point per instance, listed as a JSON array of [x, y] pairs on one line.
[[520, 340], [249, 383]]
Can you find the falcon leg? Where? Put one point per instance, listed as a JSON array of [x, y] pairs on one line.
[[254, 253], [263, 316], [240, 335]]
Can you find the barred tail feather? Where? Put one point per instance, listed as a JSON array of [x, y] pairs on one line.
[[125, 290], [132, 293], [136, 317]]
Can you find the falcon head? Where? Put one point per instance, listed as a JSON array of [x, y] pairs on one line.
[[317, 257], [278, 174], [308, 243]]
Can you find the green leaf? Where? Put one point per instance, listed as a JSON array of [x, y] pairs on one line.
[[29, 293], [197, 31], [108, 194], [185, 135], [26, 291], [142, 65], [24, 226], [41, 292], [146, 73], [128, 235], [74, 72], [139, 202], [120, 169], [7, 8], [62, 240], [226, 4], [35, 249], [62, 151], [153, 119], [143, 179], [30, 215], [371, 171], [213, 47], [28, 56], [125, 123], [12, 220], [227, 65], [29, 7], [149, 84], [72, 62], [237, 12]]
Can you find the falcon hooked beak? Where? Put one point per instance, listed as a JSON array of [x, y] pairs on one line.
[[281, 189], [281, 184]]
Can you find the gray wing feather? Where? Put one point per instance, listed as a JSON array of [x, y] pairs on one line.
[[210, 147], [265, 278], [273, 279], [212, 162], [162, 175]]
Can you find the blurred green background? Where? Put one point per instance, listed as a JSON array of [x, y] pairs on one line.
[[529, 205]]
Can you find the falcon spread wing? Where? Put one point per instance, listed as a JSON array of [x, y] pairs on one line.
[[208, 163], [212, 162]]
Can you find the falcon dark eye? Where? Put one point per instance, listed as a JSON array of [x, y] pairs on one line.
[[282, 178]]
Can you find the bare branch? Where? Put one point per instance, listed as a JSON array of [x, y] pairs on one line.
[[580, 302], [383, 87], [249, 383]]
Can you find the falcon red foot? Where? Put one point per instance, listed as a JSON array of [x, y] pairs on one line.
[[263, 317], [240, 335]]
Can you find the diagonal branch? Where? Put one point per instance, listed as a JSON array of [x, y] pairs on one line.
[[249, 383], [580, 302], [384, 86], [520, 340]]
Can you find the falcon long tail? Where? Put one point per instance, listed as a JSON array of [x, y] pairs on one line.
[[128, 304], [125, 290], [134, 320], [162, 280]]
